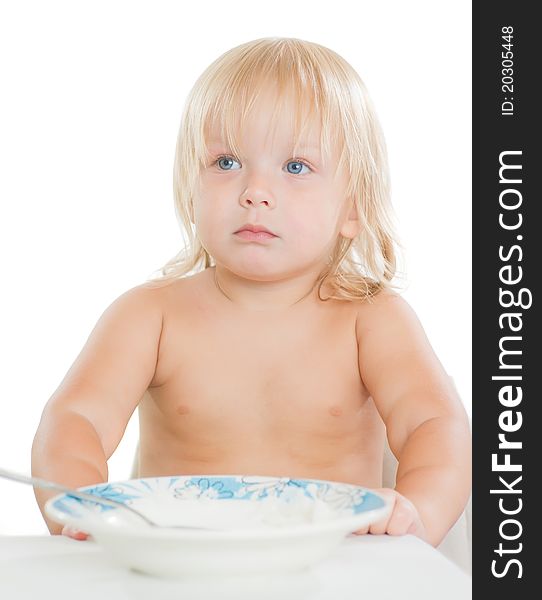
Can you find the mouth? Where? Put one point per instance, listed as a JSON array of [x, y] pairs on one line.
[[254, 236], [254, 233]]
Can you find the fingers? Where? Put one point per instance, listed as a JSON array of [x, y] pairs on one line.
[[73, 533], [362, 531], [402, 517], [381, 526]]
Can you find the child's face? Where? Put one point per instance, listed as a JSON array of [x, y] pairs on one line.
[[304, 205]]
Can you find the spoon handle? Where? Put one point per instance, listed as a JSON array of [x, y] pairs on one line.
[[35, 481], [43, 483]]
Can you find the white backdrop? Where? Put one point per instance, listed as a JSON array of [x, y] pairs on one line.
[[92, 94]]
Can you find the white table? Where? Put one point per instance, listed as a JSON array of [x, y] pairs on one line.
[[363, 567]]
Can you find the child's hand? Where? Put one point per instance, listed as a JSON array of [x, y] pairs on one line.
[[73, 533], [403, 517]]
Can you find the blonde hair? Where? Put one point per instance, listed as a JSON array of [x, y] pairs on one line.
[[323, 85]]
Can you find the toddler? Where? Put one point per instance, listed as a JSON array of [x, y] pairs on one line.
[[274, 343]]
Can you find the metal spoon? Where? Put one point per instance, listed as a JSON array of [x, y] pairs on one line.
[[43, 483]]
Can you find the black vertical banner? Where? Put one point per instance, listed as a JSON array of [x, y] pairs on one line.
[[507, 252]]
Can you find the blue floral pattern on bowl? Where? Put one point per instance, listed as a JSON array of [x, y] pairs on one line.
[[344, 498]]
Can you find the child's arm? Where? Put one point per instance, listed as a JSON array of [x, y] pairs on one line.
[[426, 423], [85, 419]]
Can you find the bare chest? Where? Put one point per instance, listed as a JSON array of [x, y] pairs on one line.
[[263, 374], [280, 394]]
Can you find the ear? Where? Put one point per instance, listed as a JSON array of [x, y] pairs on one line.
[[352, 225]]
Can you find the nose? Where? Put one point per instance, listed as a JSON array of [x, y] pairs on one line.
[[254, 197]]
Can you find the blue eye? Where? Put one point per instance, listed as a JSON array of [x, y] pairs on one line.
[[299, 166], [225, 163]]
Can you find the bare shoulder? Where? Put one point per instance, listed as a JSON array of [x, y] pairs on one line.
[[385, 312], [390, 338], [390, 333], [140, 304], [171, 295]]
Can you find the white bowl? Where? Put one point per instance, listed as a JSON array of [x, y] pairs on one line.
[[263, 524]]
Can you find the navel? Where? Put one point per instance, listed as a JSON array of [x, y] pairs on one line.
[[182, 409]]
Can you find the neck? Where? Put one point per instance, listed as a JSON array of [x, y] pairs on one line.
[[260, 296]]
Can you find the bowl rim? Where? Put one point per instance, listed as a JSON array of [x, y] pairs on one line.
[[102, 529]]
